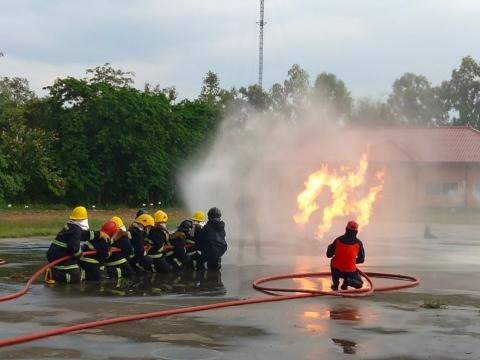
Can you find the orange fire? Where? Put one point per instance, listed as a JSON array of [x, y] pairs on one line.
[[344, 186]]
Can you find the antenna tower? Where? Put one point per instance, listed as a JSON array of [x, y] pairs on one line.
[[261, 23]]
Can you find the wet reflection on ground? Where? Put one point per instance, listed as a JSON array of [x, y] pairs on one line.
[[382, 326], [23, 259], [348, 314], [347, 345], [194, 283]]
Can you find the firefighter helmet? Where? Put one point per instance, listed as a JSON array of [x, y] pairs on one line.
[[198, 216], [145, 220], [110, 228], [214, 213], [160, 217], [79, 213], [352, 225]]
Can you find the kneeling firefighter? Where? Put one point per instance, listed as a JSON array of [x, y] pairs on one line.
[[198, 220], [346, 251], [139, 230], [92, 265], [67, 243], [157, 239], [117, 264], [211, 240], [177, 257]]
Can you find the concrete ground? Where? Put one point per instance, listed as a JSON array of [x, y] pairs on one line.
[[440, 319]]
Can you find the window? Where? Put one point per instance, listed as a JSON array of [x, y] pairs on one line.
[[477, 188], [446, 188], [450, 188]]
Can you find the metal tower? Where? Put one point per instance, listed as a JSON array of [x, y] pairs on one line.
[[261, 23]]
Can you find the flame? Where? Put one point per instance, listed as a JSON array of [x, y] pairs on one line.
[[344, 186]]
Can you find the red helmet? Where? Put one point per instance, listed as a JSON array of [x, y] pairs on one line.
[[110, 228], [352, 225]]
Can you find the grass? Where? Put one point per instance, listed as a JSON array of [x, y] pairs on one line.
[[17, 223]]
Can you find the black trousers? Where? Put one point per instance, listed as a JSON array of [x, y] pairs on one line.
[[92, 271], [349, 278], [120, 271], [70, 276], [141, 263], [160, 265]]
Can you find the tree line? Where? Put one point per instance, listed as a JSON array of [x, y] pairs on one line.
[[99, 140]]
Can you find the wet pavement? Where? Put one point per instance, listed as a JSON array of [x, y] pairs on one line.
[[440, 319]]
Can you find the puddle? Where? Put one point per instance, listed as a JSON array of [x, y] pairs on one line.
[[347, 314], [349, 347]]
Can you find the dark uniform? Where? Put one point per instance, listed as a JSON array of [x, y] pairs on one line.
[[189, 229], [157, 239], [139, 260], [117, 264], [66, 243], [92, 265], [211, 243], [177, 257], [346, 251]]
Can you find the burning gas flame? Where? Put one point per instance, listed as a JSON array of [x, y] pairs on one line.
[[344, 186]]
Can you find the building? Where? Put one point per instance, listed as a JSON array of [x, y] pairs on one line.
[[426, 167]]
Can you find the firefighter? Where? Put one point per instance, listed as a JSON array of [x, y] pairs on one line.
[[211, 240], [67, 242], [157, 239], [117, 264], [346, 251], [92, 264], [139, 230], [198, 220], [177, 256]]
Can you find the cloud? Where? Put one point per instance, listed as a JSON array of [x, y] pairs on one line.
[[367, 43]]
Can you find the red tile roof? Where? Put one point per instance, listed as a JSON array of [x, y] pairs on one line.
[[439, 144]]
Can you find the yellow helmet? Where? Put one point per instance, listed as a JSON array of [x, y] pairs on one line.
[[79, 213], [160, 216], [145, 220], [198, 216], [118, 220]]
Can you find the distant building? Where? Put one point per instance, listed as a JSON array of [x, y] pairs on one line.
[[426, 167]]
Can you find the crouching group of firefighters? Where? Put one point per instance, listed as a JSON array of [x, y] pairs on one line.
[[146, 246]]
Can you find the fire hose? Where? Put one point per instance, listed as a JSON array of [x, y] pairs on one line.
[[298, 294]]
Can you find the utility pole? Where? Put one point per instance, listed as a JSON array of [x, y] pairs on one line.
[[261, 23]]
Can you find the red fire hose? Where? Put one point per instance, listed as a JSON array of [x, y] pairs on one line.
[[40, 271], [300, 293]]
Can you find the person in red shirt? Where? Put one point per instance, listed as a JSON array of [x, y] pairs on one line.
[[346, 252]]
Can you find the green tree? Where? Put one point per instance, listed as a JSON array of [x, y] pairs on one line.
[[462, 93], [332, 96], [108, 75], [414, 101], [256, 97], [118, 144], [211, 90], [367, 112], [291, 98], [26, 161], [15, 92]]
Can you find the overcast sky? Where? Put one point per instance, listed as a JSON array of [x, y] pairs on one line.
[[367, 43]]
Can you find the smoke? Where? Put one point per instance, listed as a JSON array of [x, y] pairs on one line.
[[256, 168]]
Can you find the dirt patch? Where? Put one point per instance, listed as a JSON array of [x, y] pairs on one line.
[[46, 215]]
